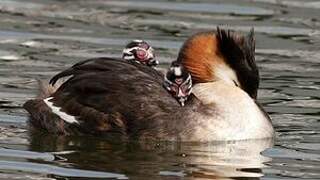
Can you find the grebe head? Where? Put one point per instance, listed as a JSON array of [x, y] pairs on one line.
[[178, 82], [223, 55], [140, 52]]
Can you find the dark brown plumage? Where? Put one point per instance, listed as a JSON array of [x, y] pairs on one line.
[[108, 95], [239, 52]]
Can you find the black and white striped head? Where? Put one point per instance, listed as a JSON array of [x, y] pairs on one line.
[[140, 52], [178, 82]]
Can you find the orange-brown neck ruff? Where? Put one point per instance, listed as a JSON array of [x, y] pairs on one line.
[[199, 55]]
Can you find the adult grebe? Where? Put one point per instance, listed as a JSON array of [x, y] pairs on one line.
[[107, 96]]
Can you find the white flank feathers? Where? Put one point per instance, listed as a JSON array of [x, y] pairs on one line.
[[56, 110]]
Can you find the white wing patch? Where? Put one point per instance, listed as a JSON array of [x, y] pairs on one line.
[[56, 110]]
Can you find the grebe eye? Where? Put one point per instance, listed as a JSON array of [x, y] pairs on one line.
[[184, 88], [141, 54], [174, 88], [235, 83]]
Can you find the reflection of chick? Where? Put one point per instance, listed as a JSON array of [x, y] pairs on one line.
[[178, 82]]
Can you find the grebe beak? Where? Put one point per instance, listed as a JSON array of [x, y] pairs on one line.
[[153, 62]]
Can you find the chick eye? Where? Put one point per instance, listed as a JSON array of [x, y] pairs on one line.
[[174, 88], [184, 88]]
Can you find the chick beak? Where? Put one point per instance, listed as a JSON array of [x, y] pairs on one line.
[[181, 101], [181, 97], [154, 62]]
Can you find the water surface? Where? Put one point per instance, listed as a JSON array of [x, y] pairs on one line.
[[41, 38]]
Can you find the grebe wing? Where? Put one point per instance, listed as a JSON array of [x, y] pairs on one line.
[[104, 64], [107, 95]]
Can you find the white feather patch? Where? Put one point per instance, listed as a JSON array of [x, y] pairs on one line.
[[128, 50], [56, 110], [138, 41], [235, 117], [177, 71]]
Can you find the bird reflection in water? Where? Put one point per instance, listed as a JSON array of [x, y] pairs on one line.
[[215, 160]]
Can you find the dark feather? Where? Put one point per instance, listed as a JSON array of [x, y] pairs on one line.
[[111, 95], [239, 52]]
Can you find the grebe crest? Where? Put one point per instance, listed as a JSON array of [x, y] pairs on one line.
[[141, 52], [224, 56], [178, 82]]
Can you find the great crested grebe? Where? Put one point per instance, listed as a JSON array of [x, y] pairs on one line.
[[141, 52], [177, 79], [112, 96], [178, 82]]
